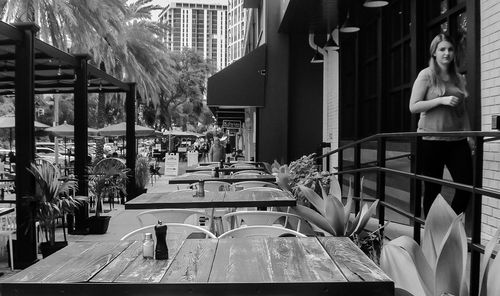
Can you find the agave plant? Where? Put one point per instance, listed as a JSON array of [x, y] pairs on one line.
[[438, 266], [53, 198], [330, 214]]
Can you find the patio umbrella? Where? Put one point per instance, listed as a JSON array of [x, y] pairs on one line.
[[9, 121], [67, 130], [182, 134], [119, 130]]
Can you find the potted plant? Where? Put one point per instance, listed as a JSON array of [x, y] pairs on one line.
[[141, 175], [109, 180], [52, 201]]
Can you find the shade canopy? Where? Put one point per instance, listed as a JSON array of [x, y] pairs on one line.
[[182, 134], [120, 129], [9, 121], [68, 131]]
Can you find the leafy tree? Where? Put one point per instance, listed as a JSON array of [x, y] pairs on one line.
[[184, 104]]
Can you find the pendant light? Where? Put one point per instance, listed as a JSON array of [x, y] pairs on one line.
[[349, 26], [331, 44], [375, 3], [317, 58]]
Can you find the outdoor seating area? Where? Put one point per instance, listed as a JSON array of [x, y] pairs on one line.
[[250, 147]]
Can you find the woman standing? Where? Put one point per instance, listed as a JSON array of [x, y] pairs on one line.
[[439, 96]]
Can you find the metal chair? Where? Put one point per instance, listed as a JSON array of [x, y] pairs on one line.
[[172, 216], [270, 218], [255, 231], [180, 230], [250, 184]]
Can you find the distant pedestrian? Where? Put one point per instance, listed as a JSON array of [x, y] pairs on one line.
[[217, 151], [439, 95]]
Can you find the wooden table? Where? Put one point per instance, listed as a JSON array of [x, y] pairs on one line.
[[243, 266], [255, 163], [224, 170], [222, 199], [188, 179], [5, 211]]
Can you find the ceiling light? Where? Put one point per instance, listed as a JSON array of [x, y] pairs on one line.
[[349, 26], [317, 58], [331, 44], [375, 3]]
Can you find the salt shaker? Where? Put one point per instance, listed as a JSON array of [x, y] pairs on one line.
[[201, 189], [148, 246]]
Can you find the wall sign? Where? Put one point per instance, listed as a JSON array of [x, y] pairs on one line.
[[231, 124], [171, 164]]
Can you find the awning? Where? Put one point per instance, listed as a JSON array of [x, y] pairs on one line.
[[312, 16], [241, 84]]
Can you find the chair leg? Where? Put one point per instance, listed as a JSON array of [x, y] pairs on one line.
[[11, 253]]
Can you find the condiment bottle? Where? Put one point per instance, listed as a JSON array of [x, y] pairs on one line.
[[221, 163], [161, 251], [215, 172], [148, 246], [201, 189]]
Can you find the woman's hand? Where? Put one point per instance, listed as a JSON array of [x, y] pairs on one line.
[[450, 101]]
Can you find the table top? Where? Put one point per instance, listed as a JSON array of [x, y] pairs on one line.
[[222, 199], [242, 266], [188, 178], [5, 211], [206, 168]]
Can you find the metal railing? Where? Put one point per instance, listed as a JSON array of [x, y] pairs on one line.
[[415, 139]]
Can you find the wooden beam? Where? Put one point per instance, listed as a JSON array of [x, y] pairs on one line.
[[81, 124], [130, 136], [26, 249]]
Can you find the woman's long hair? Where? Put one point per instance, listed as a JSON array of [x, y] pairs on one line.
[[436, 80]]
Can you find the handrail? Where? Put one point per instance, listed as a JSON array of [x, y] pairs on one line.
[[379, 167]]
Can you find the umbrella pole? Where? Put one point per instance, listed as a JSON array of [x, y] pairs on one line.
[[10, 138]]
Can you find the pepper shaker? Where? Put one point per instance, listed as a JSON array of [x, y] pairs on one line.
[[161, 250]]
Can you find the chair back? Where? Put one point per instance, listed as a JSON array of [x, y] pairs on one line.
[[185, 216], [265, 231], [249, 172], [213, 186], [252, 218], [175, 231], [250, 184], [242, 165]]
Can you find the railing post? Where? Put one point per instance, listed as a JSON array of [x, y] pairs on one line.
[[381, 154], [340, 165], [477, 182], [357, 176], [416, 186]]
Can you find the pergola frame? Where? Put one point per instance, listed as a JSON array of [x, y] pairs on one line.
[[29, 66]]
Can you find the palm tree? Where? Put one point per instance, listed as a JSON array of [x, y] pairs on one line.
[[117, 35]]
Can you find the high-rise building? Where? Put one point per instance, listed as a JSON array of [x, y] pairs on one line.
[[236, 21], [198, 24]]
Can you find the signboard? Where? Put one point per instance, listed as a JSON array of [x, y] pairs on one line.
[[171, 164], [192, 159], [231, 124]]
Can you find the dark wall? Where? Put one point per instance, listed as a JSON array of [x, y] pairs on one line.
[[272, 120], [305, 106]]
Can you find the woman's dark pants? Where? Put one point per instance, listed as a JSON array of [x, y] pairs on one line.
[[456, 155]]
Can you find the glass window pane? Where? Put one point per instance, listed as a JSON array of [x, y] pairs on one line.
[[461, 41]]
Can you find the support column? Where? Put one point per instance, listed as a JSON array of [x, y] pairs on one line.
[[81, 124], [130, 135], [25, 248]]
